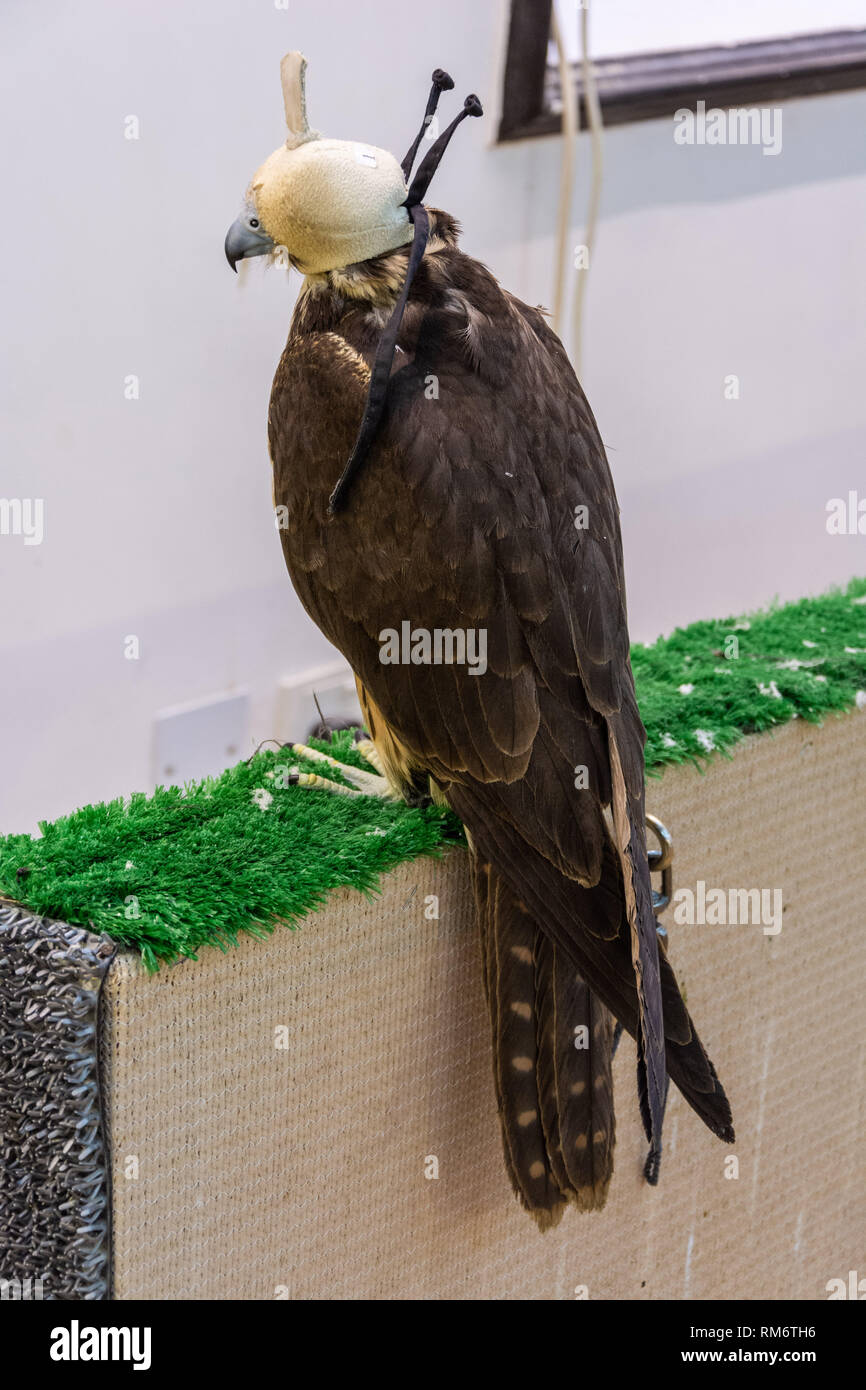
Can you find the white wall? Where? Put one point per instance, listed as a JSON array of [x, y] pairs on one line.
[[157, 511]]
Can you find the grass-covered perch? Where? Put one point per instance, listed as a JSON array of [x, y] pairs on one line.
[[186, 867]]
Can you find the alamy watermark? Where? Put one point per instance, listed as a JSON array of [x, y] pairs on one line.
[[23, 516], [714, 907], [741, 125], [846, 516], [22, 1290], [441, 646], [77, 1343]]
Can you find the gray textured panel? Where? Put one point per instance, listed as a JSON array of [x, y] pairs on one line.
[[54, 1208]]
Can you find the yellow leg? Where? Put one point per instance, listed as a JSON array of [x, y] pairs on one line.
[[367, 748], [365, 783]]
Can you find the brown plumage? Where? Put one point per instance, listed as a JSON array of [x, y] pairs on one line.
[[463, 517]]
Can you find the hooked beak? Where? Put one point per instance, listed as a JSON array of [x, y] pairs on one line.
[[243, 241]]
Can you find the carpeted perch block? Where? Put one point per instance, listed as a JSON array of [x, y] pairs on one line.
[[310, 1113], [313, 1116]]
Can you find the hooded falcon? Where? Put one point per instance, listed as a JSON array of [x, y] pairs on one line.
[[442, 473]]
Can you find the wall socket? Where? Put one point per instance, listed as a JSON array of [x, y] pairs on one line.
[[333, 684], [199, 739]]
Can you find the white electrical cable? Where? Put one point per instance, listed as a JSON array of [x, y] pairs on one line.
[[593, 114], [566, 177], [569, 138]]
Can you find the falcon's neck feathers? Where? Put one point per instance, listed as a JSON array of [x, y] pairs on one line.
[[379, 280], [450, 289]]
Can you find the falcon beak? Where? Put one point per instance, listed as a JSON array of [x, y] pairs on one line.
[[243, 241]]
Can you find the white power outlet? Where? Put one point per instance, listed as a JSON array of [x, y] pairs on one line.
[[199, 739], [333, 685]]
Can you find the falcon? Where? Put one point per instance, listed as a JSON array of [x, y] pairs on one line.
[[446, 495]]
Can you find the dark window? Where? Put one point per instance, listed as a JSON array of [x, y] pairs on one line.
[[641, 86]]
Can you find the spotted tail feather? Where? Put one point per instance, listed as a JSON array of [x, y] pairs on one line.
[[551, 1057]]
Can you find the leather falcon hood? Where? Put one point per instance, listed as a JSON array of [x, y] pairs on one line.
[[329, 202]]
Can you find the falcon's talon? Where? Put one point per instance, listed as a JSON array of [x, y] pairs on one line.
[[322, 784], [363, 783], [370, 753]]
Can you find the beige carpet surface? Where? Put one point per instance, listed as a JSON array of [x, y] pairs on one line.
[[274, 1112]]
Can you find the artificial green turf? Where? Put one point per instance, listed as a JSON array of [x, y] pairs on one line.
[[193, 866], [795, 660]]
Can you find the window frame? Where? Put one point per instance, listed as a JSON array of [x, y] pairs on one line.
[[648, 86]]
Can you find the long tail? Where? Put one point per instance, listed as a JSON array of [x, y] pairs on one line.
[[552, 1053], [589, 926]]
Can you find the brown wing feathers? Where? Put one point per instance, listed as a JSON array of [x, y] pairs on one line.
[[464, 517]]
